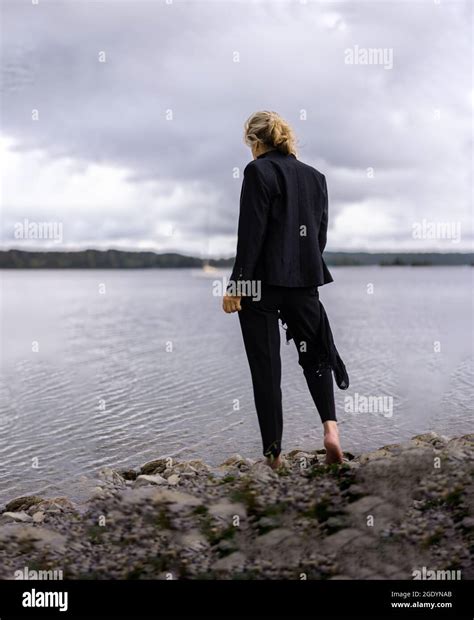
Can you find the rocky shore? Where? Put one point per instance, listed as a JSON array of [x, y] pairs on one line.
[[380, 515]]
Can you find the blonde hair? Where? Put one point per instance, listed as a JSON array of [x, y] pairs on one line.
[[270, 129]]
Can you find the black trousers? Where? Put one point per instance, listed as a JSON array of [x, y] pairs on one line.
[[261, 333]]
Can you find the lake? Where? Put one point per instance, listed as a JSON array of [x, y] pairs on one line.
[[117, 367]]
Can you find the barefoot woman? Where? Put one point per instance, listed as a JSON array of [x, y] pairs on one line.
[[281, 236]]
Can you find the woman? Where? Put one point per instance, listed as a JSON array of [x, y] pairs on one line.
[[278, 267]]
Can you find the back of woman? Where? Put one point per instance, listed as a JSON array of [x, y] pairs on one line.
[[278, 268]]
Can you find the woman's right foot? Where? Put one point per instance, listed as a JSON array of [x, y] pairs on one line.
[[332, 444]]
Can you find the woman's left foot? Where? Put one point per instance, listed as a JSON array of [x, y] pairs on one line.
[[274, 462]]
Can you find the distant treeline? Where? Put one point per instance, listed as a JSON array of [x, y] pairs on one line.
[[118, 259]]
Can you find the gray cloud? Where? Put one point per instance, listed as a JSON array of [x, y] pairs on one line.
[[407, 123]]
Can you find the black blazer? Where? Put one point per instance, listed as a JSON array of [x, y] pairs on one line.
[[282, 223]]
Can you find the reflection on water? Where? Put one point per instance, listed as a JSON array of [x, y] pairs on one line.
[[118, 367]]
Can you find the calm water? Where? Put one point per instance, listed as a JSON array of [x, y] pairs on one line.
[[153, 367]]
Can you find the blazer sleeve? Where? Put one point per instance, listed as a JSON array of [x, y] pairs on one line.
[[253, 220], [323, 228]]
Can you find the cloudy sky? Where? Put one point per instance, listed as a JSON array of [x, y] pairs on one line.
[[123, 120]]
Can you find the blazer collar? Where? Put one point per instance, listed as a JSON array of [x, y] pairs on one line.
[[275, 152]]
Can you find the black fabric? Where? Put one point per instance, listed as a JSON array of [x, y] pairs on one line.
[[307, 324], [327, 353], [283, 223]]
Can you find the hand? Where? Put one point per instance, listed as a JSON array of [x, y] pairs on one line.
[[231, 303]]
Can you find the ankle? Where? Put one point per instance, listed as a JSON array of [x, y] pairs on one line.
[[330, 428]]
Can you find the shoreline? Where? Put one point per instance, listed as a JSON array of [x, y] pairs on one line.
[[380, 515]]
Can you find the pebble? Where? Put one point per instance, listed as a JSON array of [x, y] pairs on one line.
[[144, 480]]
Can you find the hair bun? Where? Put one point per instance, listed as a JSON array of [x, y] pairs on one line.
[[271, 129]]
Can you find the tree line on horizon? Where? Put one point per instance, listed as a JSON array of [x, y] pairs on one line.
[[122, 259]]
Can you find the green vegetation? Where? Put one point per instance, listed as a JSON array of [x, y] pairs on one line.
[[163, 520], [228, 478], [321, 509], [247, 495], [433, 539], [95, 533]]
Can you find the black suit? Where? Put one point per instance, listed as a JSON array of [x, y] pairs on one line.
[[283, 223], [282, 234]]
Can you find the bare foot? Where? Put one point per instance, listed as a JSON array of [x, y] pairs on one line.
[[331, 443], [274, 462]]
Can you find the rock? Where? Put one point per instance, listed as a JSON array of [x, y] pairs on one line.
[[238, 461], [372, 456], [464, 440], [343, 538], [173, 480], [234, 459], [431, 438], [301, 455], [157, 466], [223, 471], [275, 537], [111, 477], [190, 469], [336, 523], [458, 454], [339, 578], [395, 448], [199, 465], [128, 474], [158, 495], [145, 480], [262, 472], [226, 546], [390, 570], [268, 523], [382, 515], [423, 451], [355, 491], [39, 536], [98, 493], [15, 517], [227, 510], [193, 540], [366, 505], [468, 523], [293, 454], [183, 469], [353, 464], [22, 503], [38, 517], [460, 445], [233, 562], [54, 505]]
